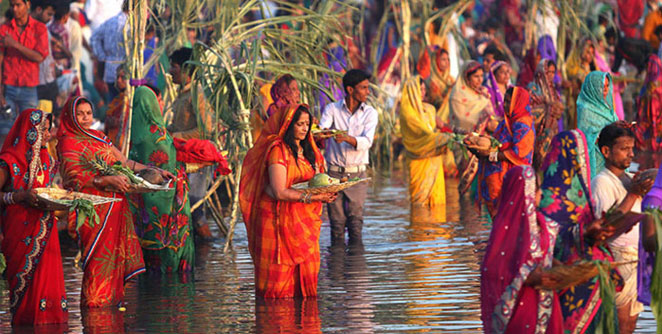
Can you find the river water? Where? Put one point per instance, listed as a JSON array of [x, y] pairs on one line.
[[412, 276]]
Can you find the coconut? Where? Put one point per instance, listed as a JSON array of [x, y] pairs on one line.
[[151, 175]]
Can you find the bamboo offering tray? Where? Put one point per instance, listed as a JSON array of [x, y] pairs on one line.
[[53, 199], [332, 188], [326, 133]]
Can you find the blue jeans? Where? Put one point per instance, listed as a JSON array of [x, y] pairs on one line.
[[19, 99]]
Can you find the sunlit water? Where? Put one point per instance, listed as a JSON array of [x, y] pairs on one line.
[[413, 275]]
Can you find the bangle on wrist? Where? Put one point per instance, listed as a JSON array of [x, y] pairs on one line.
[[96, 182], [8, 198]]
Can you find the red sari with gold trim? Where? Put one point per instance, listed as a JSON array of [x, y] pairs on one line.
[[31, 245], [111, 253]]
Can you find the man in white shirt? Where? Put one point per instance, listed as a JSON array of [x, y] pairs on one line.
[[347, 155], [610, 189]]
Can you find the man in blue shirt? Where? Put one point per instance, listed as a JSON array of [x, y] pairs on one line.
[[347, 155]]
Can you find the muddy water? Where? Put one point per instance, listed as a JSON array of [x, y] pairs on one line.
[[412, 275]]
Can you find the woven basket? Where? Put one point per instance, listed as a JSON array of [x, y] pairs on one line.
[[333, 188], [52, 199]]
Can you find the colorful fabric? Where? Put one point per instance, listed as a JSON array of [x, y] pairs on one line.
[[547, 50], [594, 112], [544, 101], [116, 114], [163, 218], [17, 70], [576, 71], [201, 151], [649, 268], [648, 129], [496, 97], [527, 69], [31, 246], [629, 13], [602, 65], [283, 237], [507, 304], [424, 146], [111, 253], [517, 136], [566, 201], [468, 106], [653, 19], [439, 87]]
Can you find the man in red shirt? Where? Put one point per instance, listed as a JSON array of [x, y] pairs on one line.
[[23, 45]]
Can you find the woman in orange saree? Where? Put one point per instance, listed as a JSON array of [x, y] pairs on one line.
[[110, 249], [516, 134], [31, 245], [283, 225]]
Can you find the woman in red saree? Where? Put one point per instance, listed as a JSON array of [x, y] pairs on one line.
[[517, 136], [283, 225], [509, 272], [31, 245], [110, 249]]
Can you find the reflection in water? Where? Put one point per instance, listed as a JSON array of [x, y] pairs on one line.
[[348, 271], [418, 272], [289, 315]]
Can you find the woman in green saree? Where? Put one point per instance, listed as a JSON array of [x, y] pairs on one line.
[[162, 218]]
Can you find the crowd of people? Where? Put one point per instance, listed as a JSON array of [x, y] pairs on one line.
[[546, 147]]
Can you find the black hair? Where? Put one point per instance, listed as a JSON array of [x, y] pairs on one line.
[[181, 56], [61, 9], [43, 4], [611, 33], [658, 30], [611, 132], [308, 151], [493, 50], [550, 63], [154, 89], [353, 77], [508, 97], [443, 51]]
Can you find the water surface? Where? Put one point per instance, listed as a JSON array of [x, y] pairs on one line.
[[412, 276]]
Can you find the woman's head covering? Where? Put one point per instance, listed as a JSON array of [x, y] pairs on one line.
[[546, 48], [69, 126], [492, 86], [594, 112], [542, 84], [566, 192], [24, 152], [254, 176], [466, 103], [574, 64], [653, 73]]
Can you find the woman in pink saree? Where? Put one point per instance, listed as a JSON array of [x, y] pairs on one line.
[[509, 301]]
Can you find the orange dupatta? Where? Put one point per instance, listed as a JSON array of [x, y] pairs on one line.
[[297, 224]]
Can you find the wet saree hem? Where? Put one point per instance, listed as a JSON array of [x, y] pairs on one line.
[[98, 235], [31, 262]]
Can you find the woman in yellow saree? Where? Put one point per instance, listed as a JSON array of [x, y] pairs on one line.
[[424, 146]]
